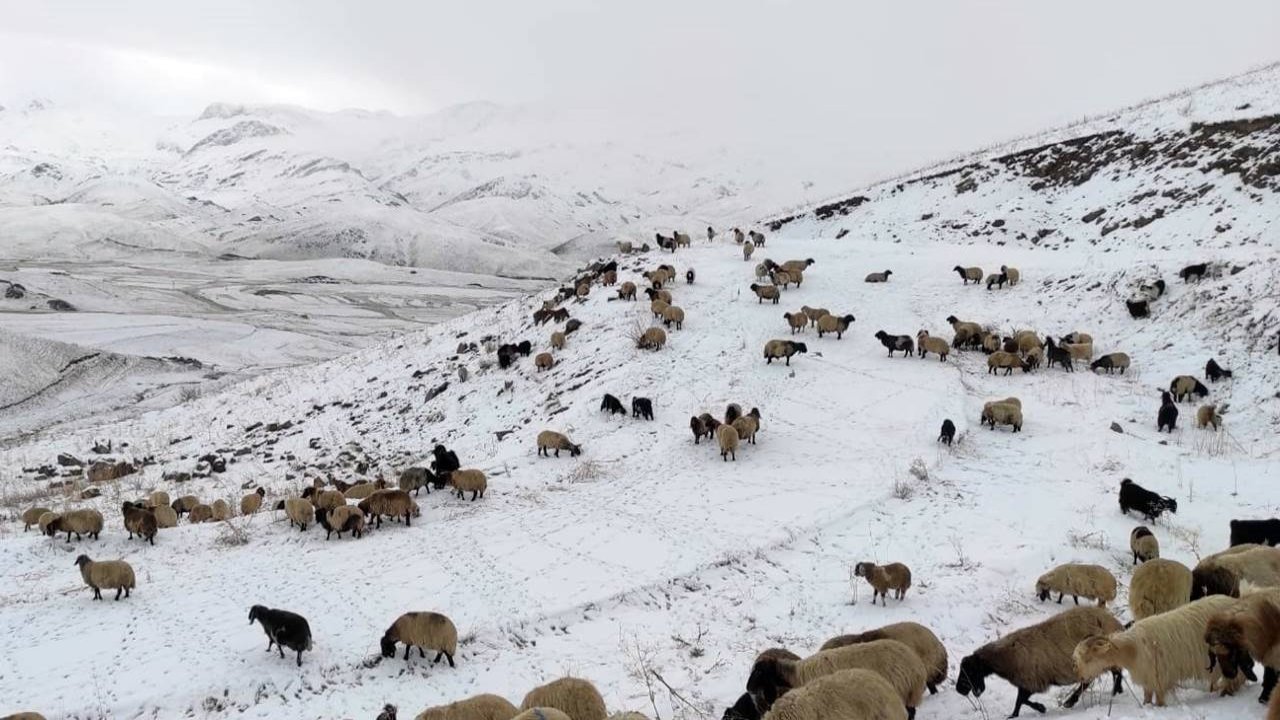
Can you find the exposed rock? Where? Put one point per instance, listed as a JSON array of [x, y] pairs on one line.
[[106, 471], [67, 460], [1115, 427]]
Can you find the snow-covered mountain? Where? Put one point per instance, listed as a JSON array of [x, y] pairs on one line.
[[478, 188], [650, 565]]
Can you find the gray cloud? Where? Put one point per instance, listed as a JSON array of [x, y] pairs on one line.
[[861, 89]]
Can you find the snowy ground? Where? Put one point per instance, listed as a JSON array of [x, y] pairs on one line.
[[648, 551]]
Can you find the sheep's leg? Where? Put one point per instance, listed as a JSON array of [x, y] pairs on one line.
[[119, 591], [270, 641], [1060, 598], [299, 658], [1074, 698], [407, 648], [281, 649], [1269, 677], [1075, 599], [474, 494]]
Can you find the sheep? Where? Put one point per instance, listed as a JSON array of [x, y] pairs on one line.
[[1273, 709], [575, 697], [363, 490], [1059, 356], [700, 429], [165, 517], [783, 349], [747, 427], [997, 279], [139, 521], [1223, 573], [1013, 275], [1011, 400], [109, 574], [219, 511], [1167, 417], [1092, 582], [612, 404], [480, 707], [184, 504], [642, 407], [673, 314], [689, 275], [766, 292], [896, 342], [652, 339], [347, 518], [1159, 652], [609, 278], [926, 344], [1138, 308], [557, 340], [552, 440], [1158, 585], [1007, 361], [544, 361], [1152, 291], [781, 277], [627, 291], [948, 433], [845, 695], [80, 522], [1143, 544], [747, 250], [797, 277], [799, 265], [1110, 362], [682, 239], [32, 517], [1078, 351], [583, 290], [919, 638], [46, 521], [656, 294], [1215, 372], [1135, 497], [762, 271], [330, 499], [1261, 532], [1209, 415], [283, 629], [424, 630], [413, 480], [969, 274], [1035, 356], [300, 512], [1027, 341], [878, 277], [898, 664], [798, 321], [1249, 630], [24, 716], [624, 247], [472, 480], [883, 578], [1198, 271], [828, 323], [251, 503], [732, 412], [727, 437], [1184, 387], [738, 236], [158, 498], [814, 313], [394, 503], [757, 238], [1003, 414], [966, 333], [1039, 656], [1077, 338]]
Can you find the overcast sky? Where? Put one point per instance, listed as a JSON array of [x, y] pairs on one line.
[[882, 83]]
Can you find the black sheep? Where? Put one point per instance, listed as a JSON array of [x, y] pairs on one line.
[[642, 408], [283, 629], [1214, 371], [744, 709], [1058, 356], [1261, 532], [1135, 497], [445, 462], [524, 348], [997, 280], [732, 412], [896, 342], [1138, 308], [1168, 415], [507, 355], [688, 276], [613, 405], [948, 433], [572, 326], [1197, 271]]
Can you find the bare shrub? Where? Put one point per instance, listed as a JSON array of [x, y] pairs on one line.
[[919, 470], [903, 490]]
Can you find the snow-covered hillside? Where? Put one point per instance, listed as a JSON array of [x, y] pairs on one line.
[[648, 564]]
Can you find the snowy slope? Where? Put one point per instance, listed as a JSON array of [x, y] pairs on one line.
[[649, 553]]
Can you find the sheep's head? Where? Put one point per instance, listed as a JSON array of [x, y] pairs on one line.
[[1093, 656], [575, 450], [388, 646], [972, 677], [1225, 638], [767, 683], [255, 612], [82, 561], [800, 347], [744, 709], [1042, 591]]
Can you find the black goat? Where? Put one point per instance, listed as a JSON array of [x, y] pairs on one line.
[[283, 629], [1138, 308], [896, 342], [524, 348], [1135, 497], [445, 462], [613, 405], [1197, 271], [1214, 371], [744, 709], [1168, 415], [642, 408], [1261, 532], [1056, 355], [948, 433]]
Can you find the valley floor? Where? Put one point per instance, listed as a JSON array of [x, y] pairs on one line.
[[648, 553]]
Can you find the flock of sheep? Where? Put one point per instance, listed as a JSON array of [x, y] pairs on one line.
[[1200, 625]]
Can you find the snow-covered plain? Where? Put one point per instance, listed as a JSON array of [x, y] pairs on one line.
[[648, 553]]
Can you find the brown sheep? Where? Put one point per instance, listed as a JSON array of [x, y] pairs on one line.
[[831, 324], [783, 349], [1247, 631], [727, 437], [798, 321], [480, 707], [781, 278], [557, 340], [251, 503], [898, 664], [80, 522], [394, 503], [184, 504], [348, 518], [1159, 585], [652, 339], [140, 521], [969, 274], [814, 313], [425, 631], [575, 697], [544, 361], [552, 440], [32, 517], [883, 578], [766, 292], [925, 344], [797, 265], [108, 574], [1007, 361], [915, 636], [627, 291], [472, 480], [673, 314]]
